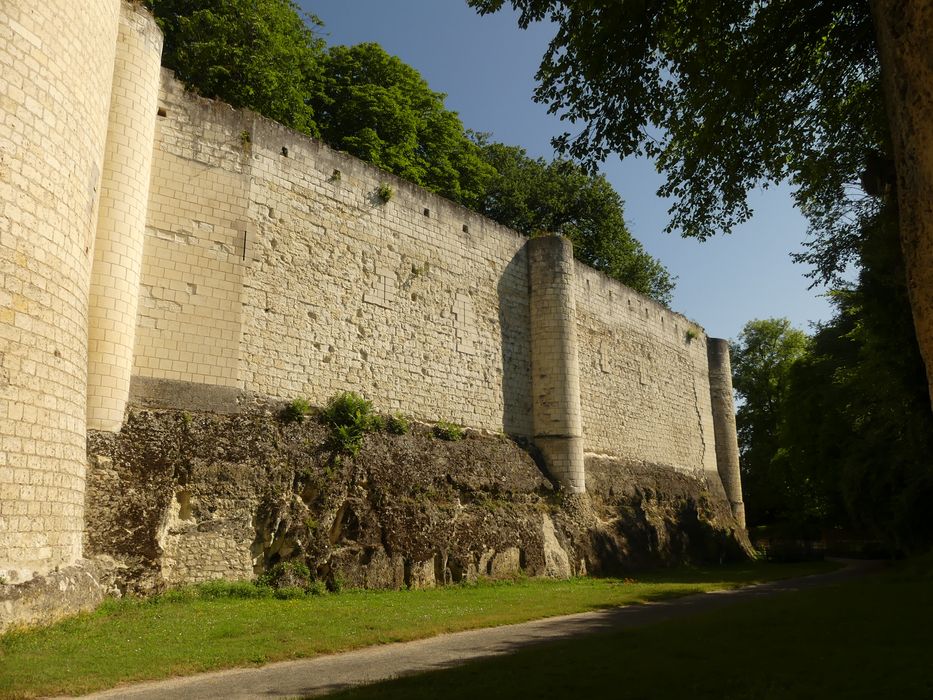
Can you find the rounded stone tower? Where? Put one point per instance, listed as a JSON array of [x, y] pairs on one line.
[[724, 431], [118, 249], [56, 69], [555, 372]]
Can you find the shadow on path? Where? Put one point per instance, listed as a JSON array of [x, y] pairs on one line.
[[326, 674]]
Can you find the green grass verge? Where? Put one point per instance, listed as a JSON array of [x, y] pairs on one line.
[[867, 638], [218, 626]]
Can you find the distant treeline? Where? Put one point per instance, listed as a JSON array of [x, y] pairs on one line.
[[835, 429]]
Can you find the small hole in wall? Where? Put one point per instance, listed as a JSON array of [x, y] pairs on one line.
[[427, 212], [466, 229], [161, 112], [285, 151]]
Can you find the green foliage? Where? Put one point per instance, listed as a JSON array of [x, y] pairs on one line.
[[286, 575], [398, 424], [348, 408], [857, 422], [317, 587], [217, 590], [349, 417], [690, 335], [533, 196], [289, 593], [172, 634], [384, 192], [725, 95], [381, 110], [347, 439], [762, 359], [258, 54], [448, 431], [296, 411], [836, 431]]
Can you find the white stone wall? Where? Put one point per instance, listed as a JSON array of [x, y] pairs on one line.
[[417, 303], [118, 247], [188, 325], [644, 377], [56, 68], [558, 425], [272, 266]]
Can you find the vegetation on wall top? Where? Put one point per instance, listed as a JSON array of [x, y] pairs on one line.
[[262, 55]]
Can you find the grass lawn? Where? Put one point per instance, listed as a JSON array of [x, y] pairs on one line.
[[868, 638], [210, 627]]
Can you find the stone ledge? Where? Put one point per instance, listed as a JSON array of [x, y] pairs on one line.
[[149, 392], [45, 599]]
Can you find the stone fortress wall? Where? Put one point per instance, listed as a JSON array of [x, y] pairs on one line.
[[163, 249], [56, 70]]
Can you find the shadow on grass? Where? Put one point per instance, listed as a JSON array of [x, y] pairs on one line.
[[864, 638], [223, 625]]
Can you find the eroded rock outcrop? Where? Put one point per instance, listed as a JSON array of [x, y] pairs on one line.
[[185, 497]]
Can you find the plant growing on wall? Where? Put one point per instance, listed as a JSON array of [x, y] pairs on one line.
[[448, 431], [295, 411], [398, 424], [384, 192], [349, 417]]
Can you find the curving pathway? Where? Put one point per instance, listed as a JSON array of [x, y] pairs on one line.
[[325, 674]]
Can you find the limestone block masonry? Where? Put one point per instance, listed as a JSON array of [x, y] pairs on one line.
[[555, 374], [170, 249], [727, 446], [56, 69], [118, 249]]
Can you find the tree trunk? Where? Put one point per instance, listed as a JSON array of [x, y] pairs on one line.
[[904, 30]]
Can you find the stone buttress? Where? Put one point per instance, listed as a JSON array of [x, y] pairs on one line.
[[121, 224], [727, 446], [558, 426]]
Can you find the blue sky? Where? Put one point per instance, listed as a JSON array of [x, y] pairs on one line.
[[486, 65]]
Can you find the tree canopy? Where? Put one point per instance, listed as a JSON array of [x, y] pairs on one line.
[[837, 434], [725, 95], [762, 358], [381, 110], [532, 195], [856, 419], [258, 54]]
